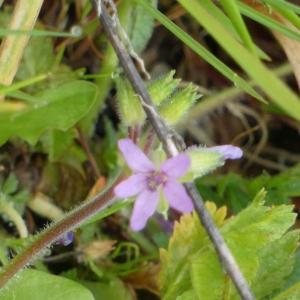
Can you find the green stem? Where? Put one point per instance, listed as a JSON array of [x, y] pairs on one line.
[[21, 84], [8, 210], [12, 48]]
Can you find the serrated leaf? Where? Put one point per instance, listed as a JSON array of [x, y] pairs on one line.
[[174, 278], [174, 258], [59, 108], [276, 262], [272, 222], [253, 235], [293, 293], [37, 285], [294, 277]]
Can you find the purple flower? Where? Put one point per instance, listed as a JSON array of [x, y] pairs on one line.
[[228, 151], [66, 239], [147, 181]]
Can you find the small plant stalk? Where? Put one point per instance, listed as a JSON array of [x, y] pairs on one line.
[[71, 221], [171, 143], [8, 210], [12, 48]]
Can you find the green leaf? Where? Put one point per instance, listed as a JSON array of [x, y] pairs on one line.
[[268, 21], [10, 185], [38, 58], [284, 4], [36, 285], [278, 92], [56, 142], [188, 237], [114, 290], [293, 293], [294, 277], [232, 10], [108, 66], [237, 192], [188, 295], [257, 238], [59, 108], [228, 24], [288, 14], [278, 259], [140, 26]]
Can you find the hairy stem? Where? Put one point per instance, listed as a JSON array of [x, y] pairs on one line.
[[170, 144], [71, 221]]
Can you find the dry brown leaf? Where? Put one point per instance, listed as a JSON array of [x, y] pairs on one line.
[[146, 278], [97, 187], [98, 249], [290, 47]]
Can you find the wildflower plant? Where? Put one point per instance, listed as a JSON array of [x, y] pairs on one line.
[[151, 184], [200, 251]]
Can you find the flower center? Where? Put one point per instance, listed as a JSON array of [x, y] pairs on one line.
[[155, 179]]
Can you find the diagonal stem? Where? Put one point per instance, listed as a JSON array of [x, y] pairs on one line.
[[49, 236], [169, 141]]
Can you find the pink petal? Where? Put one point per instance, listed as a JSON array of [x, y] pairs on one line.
[[131, 186], [144, 208], [177, 166], [177, 196], [228, 151], [135, 157]]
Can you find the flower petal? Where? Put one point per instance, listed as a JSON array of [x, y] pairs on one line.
[[131, 186], [176, 166], [135, 157], [177, 196], [66, 239], [144, 208], [228, 151]]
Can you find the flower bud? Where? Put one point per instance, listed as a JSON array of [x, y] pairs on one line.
[[130, 109], [206, 159], [203, 161], [163, 87], [175, 108]]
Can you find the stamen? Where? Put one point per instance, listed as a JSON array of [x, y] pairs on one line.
[[156, 179]]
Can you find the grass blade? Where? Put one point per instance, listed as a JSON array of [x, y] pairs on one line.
[[278, 92]]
